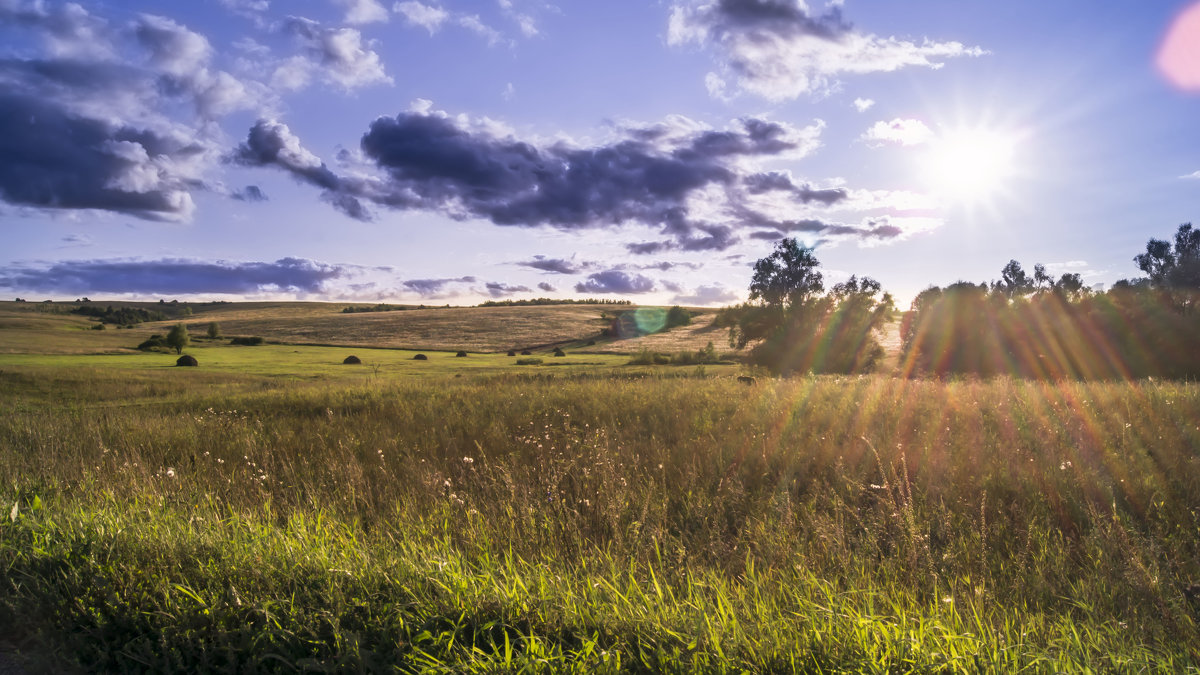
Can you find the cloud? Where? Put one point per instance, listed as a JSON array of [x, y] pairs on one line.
[[363, 11], [1192, 175], [338, 55], [665, 266], [174, 276], [76, 241], [272, 143], [863, 104], [250, 193], [556, 265], [432, 287], [111, 118], [615, 281], [653, 175], [429, 17], [780, 49], [648, 247], [499, 290], [706, 296], [904, 132], [54, 159], [432, 17], [760, 183], [546, 287]]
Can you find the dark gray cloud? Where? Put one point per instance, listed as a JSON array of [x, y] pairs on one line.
[[665, 266], [776, 181], [58, 160], [556, 265], [430, 287], [543, 286], [648, 247], [615, 281], [650, 176], [671, 286], [780, 49], [250, 193], [499, 290], [173, 276]]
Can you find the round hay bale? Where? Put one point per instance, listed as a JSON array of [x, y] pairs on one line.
[[187, 360], [512, 353], [352, 360], [461, 354], [526, 353], [559, 352], [420, 357]]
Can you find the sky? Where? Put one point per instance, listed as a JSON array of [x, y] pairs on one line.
[[451, 152]]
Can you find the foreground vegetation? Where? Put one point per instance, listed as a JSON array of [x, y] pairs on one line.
[[614, 520]]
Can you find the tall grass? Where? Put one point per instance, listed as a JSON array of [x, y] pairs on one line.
[[661, 523]]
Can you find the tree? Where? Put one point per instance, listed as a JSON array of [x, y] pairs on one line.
[[798, 328], [787, 277], [178, 338], [1174, 269], [214, 330]]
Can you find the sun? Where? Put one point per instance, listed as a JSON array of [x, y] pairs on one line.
[[969, 165]]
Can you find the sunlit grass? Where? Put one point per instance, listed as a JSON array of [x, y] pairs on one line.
[[615, 519]]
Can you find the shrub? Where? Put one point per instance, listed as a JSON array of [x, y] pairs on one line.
[[526, 352], [461, 354], [214, 330], [528, 362], [642, 358], [678, 316], [246, 341], [661, 359], [155, 343], [559, 352], [512, 353], [98, 326]]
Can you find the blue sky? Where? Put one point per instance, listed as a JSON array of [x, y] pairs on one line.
[[451, 151]]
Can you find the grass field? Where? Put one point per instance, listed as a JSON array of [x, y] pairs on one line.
[[274, 510], [27, 327]]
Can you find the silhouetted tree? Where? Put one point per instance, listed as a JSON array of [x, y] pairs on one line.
[[799, 329]]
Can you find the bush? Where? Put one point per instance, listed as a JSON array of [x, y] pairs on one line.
[[512, 353], [678, 316], [214, 330], [661, 359], [643, 358], [420, 357], [155, 343], [461, 354], [246, 341], [98, 326], [559, 352], [526, 352], [528, 362]]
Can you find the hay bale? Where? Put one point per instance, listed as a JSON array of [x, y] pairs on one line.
[[420, 357], [352, 360], [526, 352], [559, 352], [461, 354], [187, 360], [512, 353]]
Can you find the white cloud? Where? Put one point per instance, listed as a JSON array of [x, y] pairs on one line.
[[339, 55], [364, 11], [1192, 175], [905, 132], [780, 51], [429, 17], [863, 104]]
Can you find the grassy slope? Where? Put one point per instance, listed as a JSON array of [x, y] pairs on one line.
[[478, 329]]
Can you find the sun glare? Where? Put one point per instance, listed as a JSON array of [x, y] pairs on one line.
[[969, 165]]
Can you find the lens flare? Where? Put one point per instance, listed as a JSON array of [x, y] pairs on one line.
[[1179, 55]]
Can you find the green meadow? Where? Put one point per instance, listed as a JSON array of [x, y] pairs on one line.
[[274, 510]]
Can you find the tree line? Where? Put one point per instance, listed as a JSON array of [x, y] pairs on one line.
[[1024, 325]]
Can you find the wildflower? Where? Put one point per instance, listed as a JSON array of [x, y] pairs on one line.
[[170, 472], [468, 460]]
